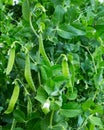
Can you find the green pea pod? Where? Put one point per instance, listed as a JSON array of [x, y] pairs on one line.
[[13, 99], [65, 68], [65, 71], [11, 60], [29, 106], [42, 50], [27, 73]]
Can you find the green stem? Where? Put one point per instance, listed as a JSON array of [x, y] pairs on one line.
[[39, 79], [58, 59], [13, 124], [91, 57], [51, 119], [31, 25], [84, 122], [96, 92]]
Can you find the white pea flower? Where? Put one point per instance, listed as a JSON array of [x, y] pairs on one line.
[[15, 2], [45, 107]]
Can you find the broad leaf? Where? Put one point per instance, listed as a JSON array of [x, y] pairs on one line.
[[26, 10], [65, 34], [96, 121], [58, 14], [70, 112], [19, 115], [41, 95]]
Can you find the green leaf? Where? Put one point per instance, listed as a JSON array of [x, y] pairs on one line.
[[87, 104], [68, 31], [43, 73], [69, 113], [65, 34], [26, 9], [33, 126], [71, 109], [71, 105], [55, 105], [93, 4], [18, 128], [59, 78], [56, 70], [1, 108], [44, 124], [41, 95], [71, 14], [10, 2], [77, 2], [49, 86], [75, 31], [19, 116], [98, 109], [57, 2], [96, 121], [73, 95], [58, 14]]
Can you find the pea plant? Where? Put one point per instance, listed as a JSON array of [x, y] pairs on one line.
[[52, 65]]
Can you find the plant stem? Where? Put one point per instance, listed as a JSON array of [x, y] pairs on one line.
[[13, 124], [39, 79], [91, 57], [96, 92], [51, 119], [32, 26]]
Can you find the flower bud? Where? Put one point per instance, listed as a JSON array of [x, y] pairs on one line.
[[45, 107]]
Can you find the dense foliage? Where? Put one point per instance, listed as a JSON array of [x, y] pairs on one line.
[[52, 65]]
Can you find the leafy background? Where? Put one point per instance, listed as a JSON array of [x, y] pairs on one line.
[[67, 70]]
